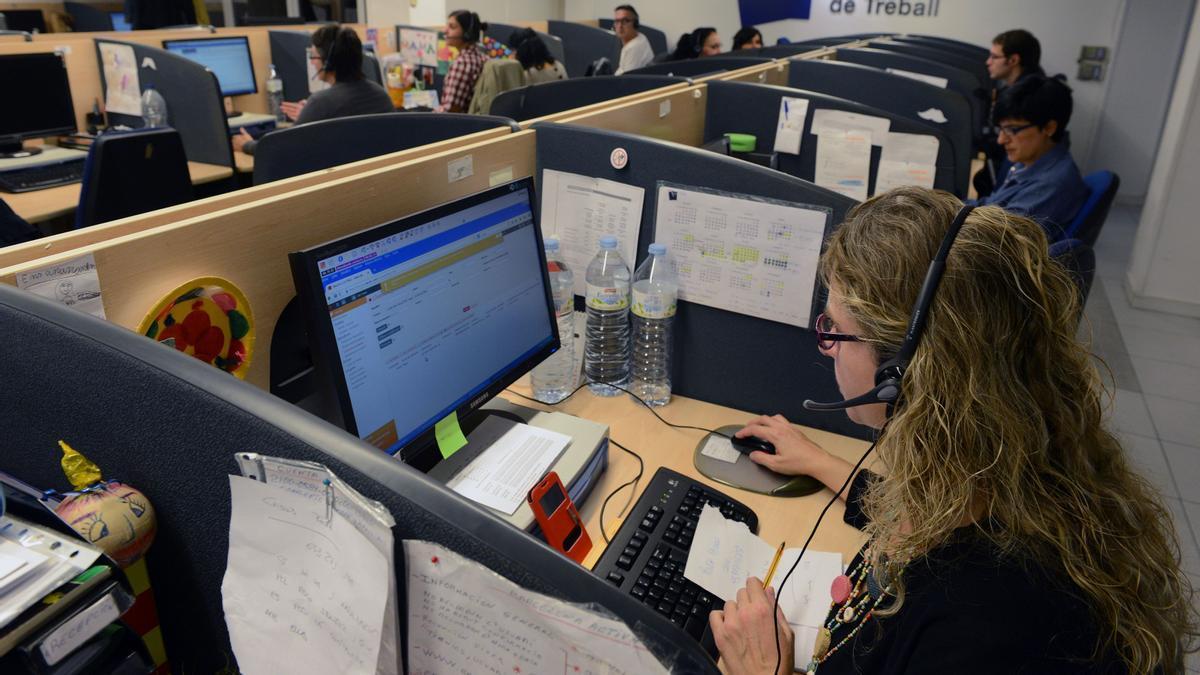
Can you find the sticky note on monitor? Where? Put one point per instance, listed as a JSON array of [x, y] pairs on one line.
[[449, 435]]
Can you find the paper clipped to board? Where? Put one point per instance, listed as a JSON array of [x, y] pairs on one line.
[[464, 618], [725, 554], [789, 130], [302, 586], [122, 90], [907, 159], [741, 253], [581, 209], [844, 162], [74, 283]]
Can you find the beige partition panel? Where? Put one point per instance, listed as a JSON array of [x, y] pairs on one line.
[[21, 253], [676, 115], [605, 105], [775, 73], [248, 244]]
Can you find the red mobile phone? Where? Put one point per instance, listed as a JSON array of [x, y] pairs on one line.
[[558, 518]]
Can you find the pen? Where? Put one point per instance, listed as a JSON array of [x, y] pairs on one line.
[[774, 563]]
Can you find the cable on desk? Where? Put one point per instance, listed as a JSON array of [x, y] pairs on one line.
[[633, 489]]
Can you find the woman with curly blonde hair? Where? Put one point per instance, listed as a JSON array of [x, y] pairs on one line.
[[1007, 532]]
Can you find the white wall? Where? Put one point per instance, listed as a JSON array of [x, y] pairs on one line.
[[389, 12], [1164, 272], [508, 11]]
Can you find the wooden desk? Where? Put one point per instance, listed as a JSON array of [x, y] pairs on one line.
[[779, 519], [243, 163], [42, 205]]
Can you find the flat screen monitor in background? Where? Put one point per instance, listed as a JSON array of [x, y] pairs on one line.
[[428, 315], [40, 82], [119, 22], [28, 20], [227, 57]]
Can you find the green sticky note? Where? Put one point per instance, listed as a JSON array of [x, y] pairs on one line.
[[449, 435]]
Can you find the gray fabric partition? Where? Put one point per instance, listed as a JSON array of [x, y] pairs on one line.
[[743, 107], [958, 80], [699, 66], [538, 100], [789, 50], [583, 45], [291, 63], [87, 18], [319, 145], [177, 426], [966, 49], [976, 67], [658, 39], [722, 357], [194, 105], [894, 93], [502, 31]]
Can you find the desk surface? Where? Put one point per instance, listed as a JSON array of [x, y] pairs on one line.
[[42, 205], [780, 519], [243, 163]]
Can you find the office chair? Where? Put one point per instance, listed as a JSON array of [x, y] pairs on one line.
[[1080, 260], [131, 173], [1087, 223]]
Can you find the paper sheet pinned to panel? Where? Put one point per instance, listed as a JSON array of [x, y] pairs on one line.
[[740, 253], [122, 90], [74, 283], [922, 77], [829, 121], [789, 130], [907, 159], [844, 162], [581, 209], [464, 618]]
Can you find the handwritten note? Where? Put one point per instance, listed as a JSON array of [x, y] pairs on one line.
[[790, 129], [79, 629], [844, 162], [74, 283], [302, 589], [122, 91], [907, 159], [464, 618]]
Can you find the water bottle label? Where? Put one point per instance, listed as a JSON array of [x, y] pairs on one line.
[[606, 297], [653, 305]]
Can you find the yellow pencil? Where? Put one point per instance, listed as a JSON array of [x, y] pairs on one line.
[[774, 563]]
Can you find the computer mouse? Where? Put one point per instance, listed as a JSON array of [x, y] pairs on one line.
[[749, 444]]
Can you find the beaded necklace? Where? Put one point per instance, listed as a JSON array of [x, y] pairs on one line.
[[855, 596]]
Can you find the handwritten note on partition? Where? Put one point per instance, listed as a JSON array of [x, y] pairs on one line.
[[464, 618], [304, 590]]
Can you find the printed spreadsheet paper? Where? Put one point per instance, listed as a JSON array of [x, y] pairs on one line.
[[742, 254], [465, 618]]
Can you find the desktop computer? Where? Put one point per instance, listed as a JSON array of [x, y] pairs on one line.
[[431, 316], [119, 22], [46, 109], [227, 57]]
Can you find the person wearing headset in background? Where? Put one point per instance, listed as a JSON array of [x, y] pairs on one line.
[[337, 53], [464, 29], [700, 42], [635, 47], [540, 66], [1008, 532], [747, 37]]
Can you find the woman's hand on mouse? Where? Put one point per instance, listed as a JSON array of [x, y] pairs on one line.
[[794, 454]]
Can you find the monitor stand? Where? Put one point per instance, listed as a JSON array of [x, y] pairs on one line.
[[16, 149]]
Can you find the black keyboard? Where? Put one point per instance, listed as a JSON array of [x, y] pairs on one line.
[[43, 176], [647, 556]]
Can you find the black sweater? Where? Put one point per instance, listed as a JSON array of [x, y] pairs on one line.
[[968, 609]]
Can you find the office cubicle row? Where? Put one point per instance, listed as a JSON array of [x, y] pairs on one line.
[[244, 236]]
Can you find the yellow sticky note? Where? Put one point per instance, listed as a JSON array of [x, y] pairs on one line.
[[449, 435]]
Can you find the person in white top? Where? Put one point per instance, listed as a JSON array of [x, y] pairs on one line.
[[635, 48]]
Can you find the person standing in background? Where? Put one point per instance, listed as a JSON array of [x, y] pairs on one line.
[[635, 48]]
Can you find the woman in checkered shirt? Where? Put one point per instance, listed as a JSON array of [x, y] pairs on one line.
[[463, 30]]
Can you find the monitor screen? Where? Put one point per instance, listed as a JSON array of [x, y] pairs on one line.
[[228, 58], [46, 108], [428, 315], [119, 22], [28, 20]]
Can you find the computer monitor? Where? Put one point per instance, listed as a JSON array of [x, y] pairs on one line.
[[227, 57], [28, 20], [119, 22], [45, 107], [428, 315]]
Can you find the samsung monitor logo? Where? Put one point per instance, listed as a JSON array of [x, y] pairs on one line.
[[479, 400]]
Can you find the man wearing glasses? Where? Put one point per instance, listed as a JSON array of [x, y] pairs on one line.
[[635, 48], [1043, 182], [1015, 54]]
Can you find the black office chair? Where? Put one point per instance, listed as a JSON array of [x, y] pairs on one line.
[[13, 228], [1094, 212], [1080, 260], [601, 66], [131, 173]]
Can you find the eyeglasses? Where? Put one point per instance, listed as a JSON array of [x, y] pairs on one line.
[[825, 335], [625, 20], [1011, 131], [312, 53], [996, 57]]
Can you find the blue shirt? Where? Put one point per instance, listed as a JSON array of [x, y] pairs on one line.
[[1050, 191]]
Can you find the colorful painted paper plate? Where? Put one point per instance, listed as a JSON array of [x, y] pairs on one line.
[[208, 318]]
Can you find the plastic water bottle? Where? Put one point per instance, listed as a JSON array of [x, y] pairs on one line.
[[554, 378], [655, 290], [154, 108], [275, 95], [606, 349]]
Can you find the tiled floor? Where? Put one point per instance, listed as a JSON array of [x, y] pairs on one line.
[[1155, 363]]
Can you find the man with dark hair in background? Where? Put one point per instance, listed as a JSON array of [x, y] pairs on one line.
[[1015, 54], [1043, 182], [635, 48]]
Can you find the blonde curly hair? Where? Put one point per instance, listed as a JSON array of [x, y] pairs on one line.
[[1000, 419]]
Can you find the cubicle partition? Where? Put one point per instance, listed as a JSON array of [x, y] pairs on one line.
[[735, 107], [194, 104], [584, 45], [971, 51], [179, 424], [700, 66], [722, 357], [548, 98], [501, 32], [289, 55], [976, 67], [918, 101]]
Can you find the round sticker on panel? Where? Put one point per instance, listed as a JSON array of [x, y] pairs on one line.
[[619, 158]]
